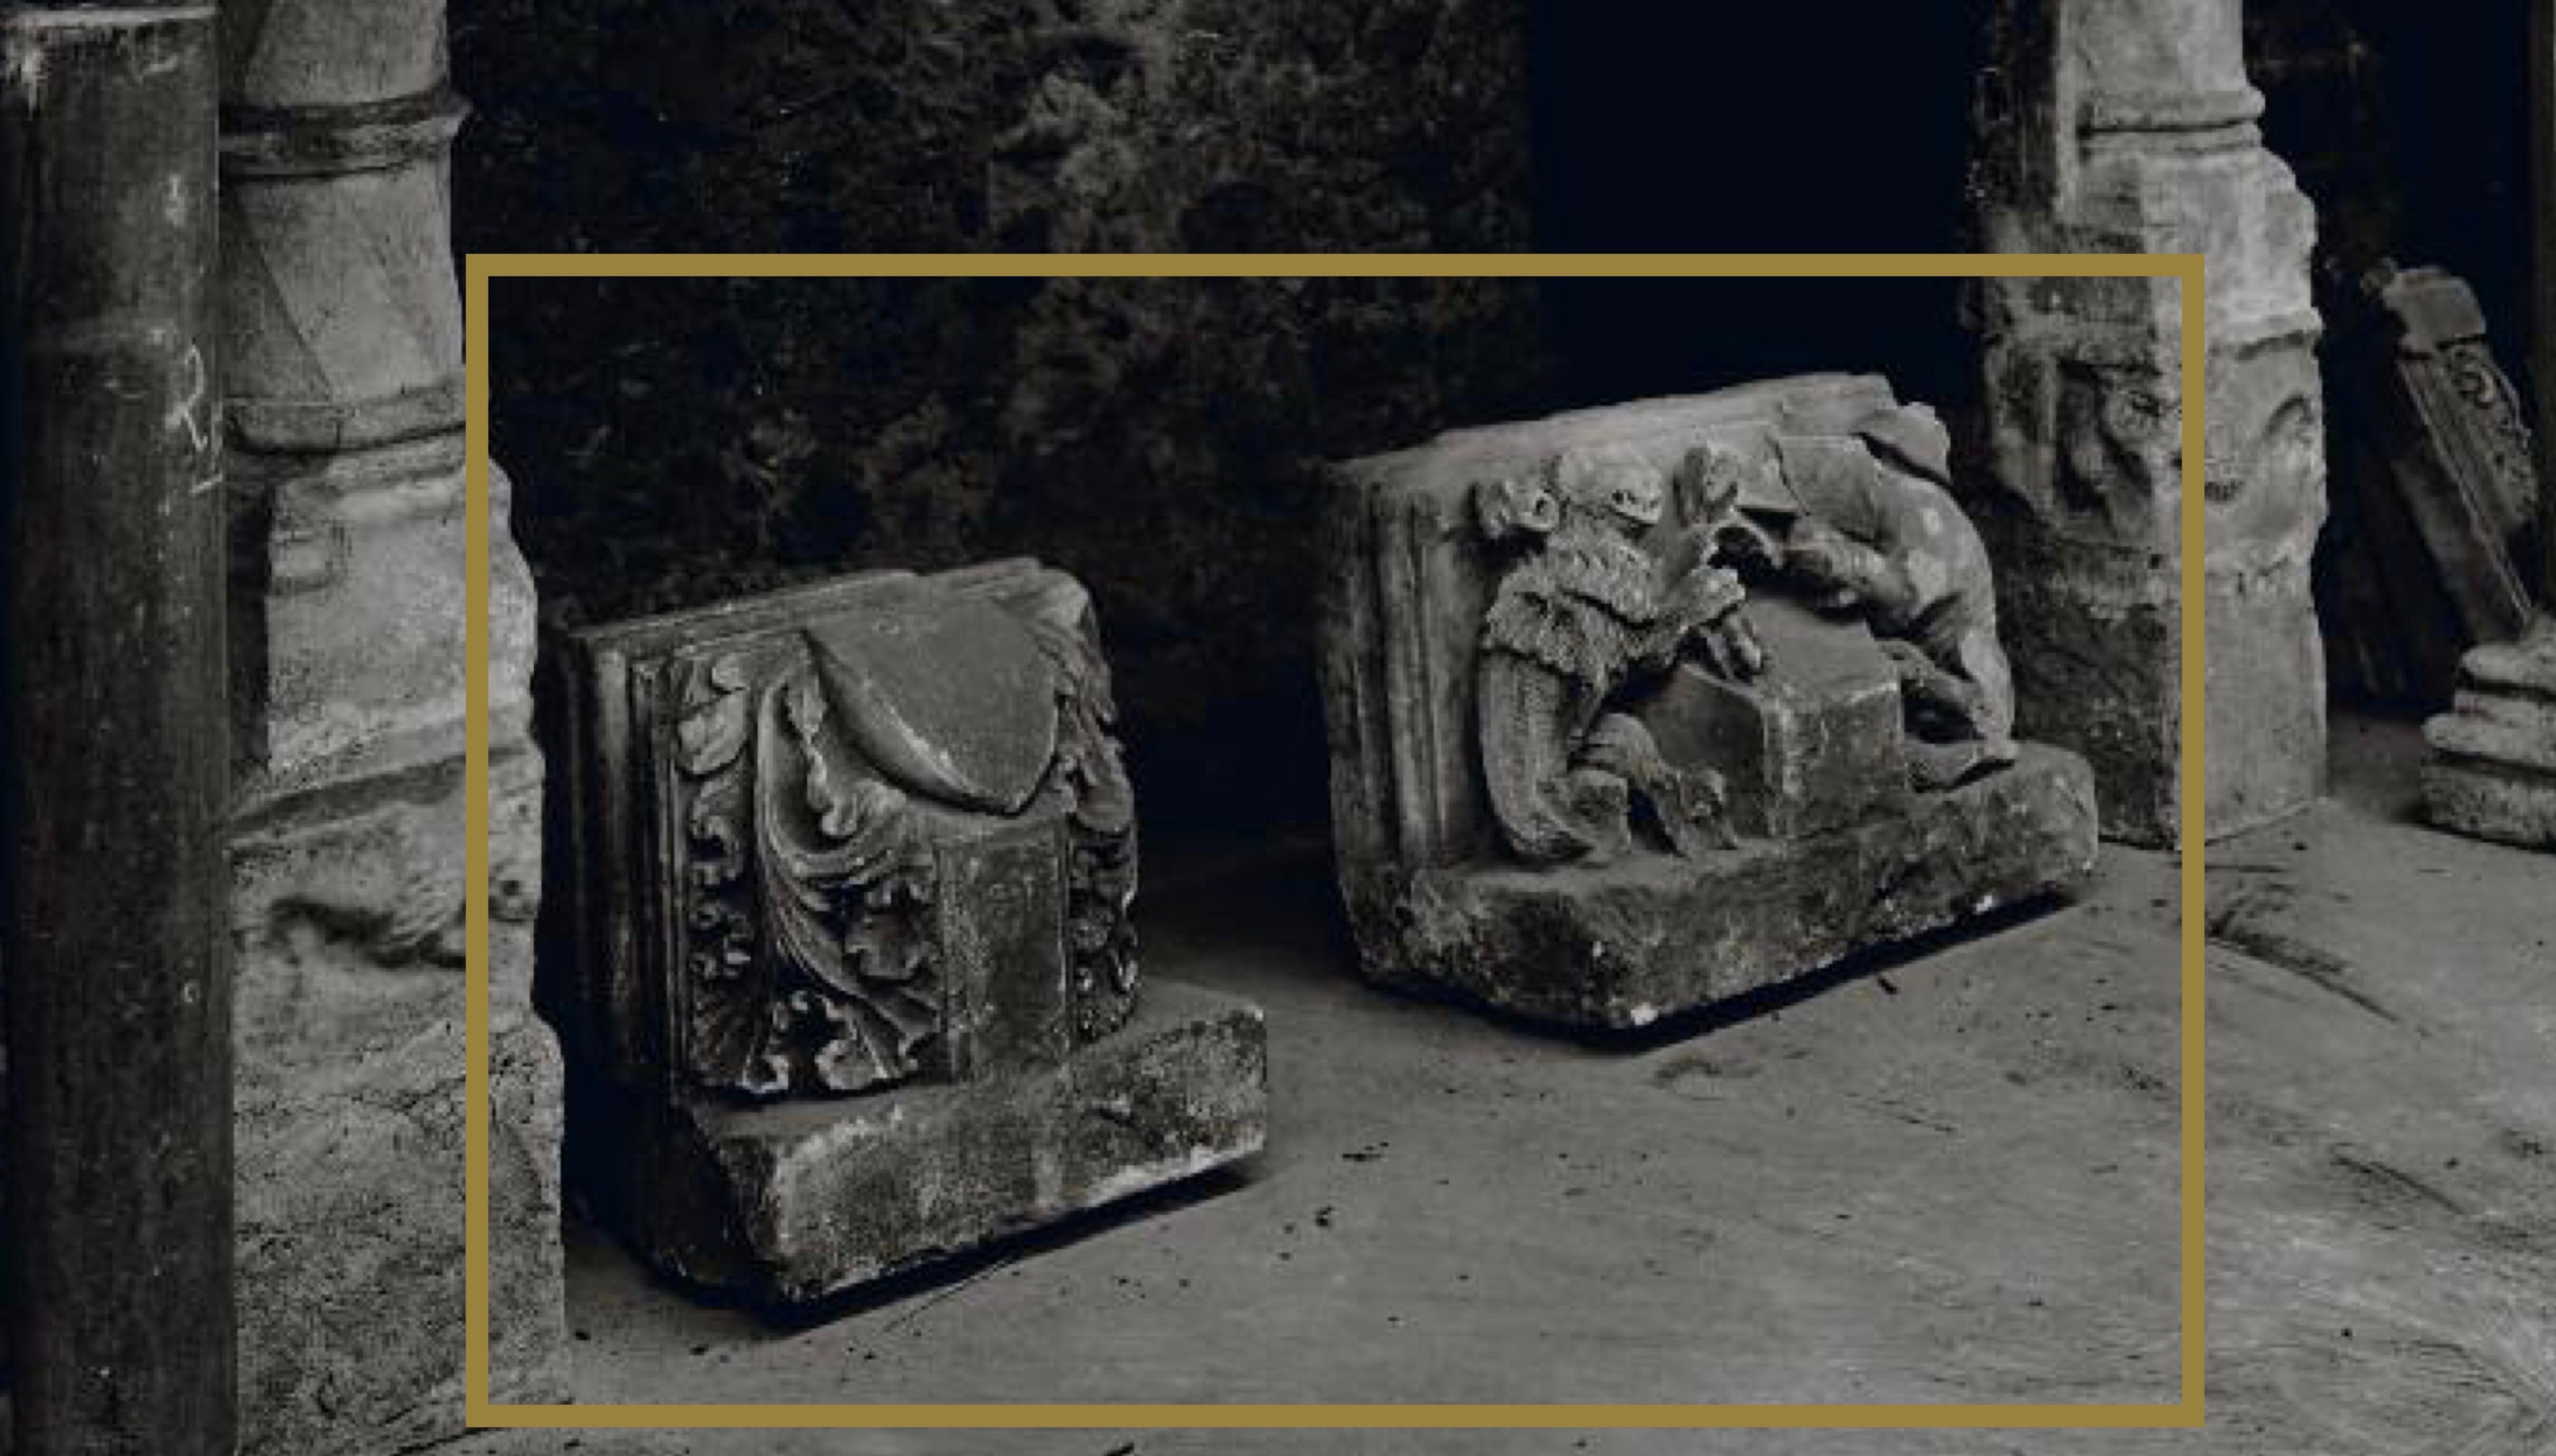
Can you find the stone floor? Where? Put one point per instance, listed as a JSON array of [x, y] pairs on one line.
[[1943, 1178]]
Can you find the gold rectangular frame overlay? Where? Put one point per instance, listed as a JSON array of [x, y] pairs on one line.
[[2185, 1413]]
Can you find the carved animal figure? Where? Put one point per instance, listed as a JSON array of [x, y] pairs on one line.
[[1882, 536], [1585, 612]]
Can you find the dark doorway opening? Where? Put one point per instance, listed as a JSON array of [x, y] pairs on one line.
[[1805, 128]]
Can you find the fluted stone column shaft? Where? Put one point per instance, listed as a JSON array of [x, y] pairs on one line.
[[118, 1246], [2128, 126]]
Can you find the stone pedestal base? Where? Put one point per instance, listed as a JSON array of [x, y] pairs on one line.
[[1632, 942], [2266, 746], [793, 1200], [2097, 634], [2493, 774], [347, 1043]]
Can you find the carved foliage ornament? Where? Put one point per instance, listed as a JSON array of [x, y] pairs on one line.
[[2497, 435], [1588, 607], [816, 772]]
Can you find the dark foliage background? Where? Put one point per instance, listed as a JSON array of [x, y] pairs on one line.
[[676, 442], [672, 442]]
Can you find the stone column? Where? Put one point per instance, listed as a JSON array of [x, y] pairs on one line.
[[118, 1245], [2492, 772], [342, 323], [2128, 126]]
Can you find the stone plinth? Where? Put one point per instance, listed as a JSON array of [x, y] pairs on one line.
[[2494, 769], [841, 953], [1624, 945], [1824, 849], [349, 1044], [2128, 126], [789, 1202]]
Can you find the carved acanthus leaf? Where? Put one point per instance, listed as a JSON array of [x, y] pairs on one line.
[[1100, 873], [811, 954]]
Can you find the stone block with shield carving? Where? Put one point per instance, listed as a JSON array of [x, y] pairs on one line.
[[844, 962], [1638, 709]]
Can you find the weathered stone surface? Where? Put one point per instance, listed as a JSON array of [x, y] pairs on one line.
[[349, 1038], [2494, 767], [789, 1202], [843, 945], [787, 899], [1627, 944], [957, 697], [1461, 589], [2428, 554], [2113, 127], [2496, 802], [590, 1441], [372, 1136], [1010, 988], [2265, 669], [343, 387], [1406, 586], [1813, 746], [2087, 625]]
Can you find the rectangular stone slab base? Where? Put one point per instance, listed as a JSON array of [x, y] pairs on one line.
[[791, 1201], [1625, 945]]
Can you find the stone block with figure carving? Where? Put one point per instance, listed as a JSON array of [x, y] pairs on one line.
[[844, 963], [1637, 709]]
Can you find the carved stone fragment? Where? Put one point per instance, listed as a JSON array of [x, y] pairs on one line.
[[341, 377], [2492, 772], [1877, 532], [850, 924], [1816, 747], [2128, 126], [1589, 613], [2433, 512], [1637, 709]]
